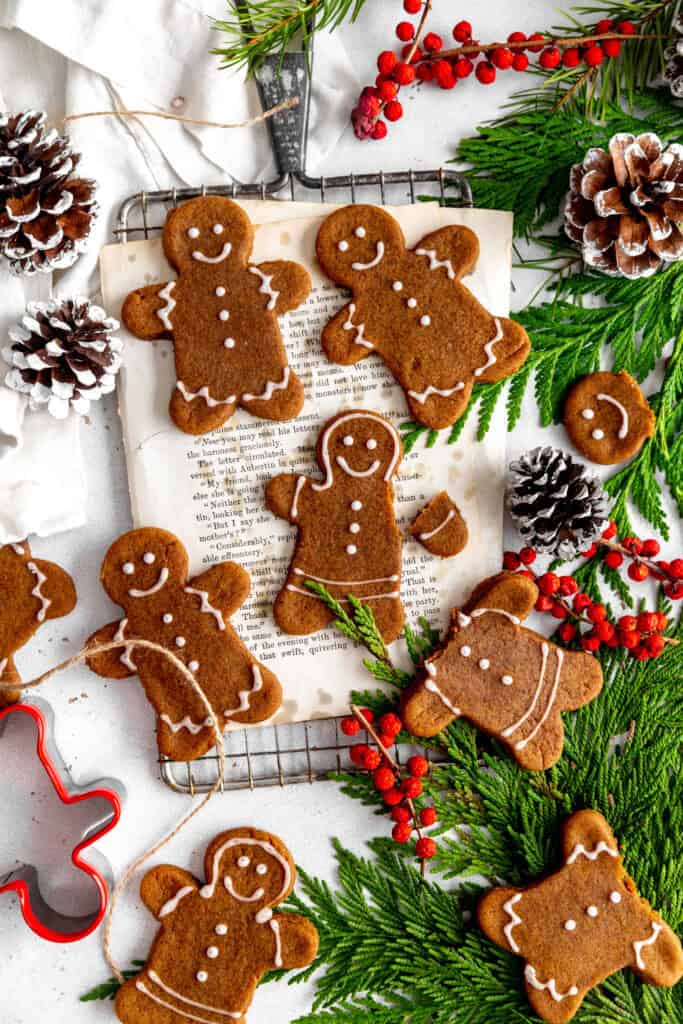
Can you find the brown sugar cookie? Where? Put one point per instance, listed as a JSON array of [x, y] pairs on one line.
[[145, 572], [440, 528], [581, 924], [607, 417], [31, 592], [410, 307], [507, 680], [222, 315], [216, 940], [348, 538]]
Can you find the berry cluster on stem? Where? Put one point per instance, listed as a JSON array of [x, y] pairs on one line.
[[399, 789]]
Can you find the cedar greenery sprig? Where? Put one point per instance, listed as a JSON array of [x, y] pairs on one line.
[[108, 989]]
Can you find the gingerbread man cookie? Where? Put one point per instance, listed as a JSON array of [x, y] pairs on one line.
[[507, 680], [440, 528], [217, 940], [410, 307], [221, 314], [607, 417], [145, 572], [31, 592], [348, 538], [581, 924]]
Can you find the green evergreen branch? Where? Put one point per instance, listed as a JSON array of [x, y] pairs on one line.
[[109, 988]]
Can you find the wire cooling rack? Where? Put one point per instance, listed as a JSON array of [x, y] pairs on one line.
[[279, 755]]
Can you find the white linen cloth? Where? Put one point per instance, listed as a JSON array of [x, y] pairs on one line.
[[83, 55]]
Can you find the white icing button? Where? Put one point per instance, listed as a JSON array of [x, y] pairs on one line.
[[262, 869], [128, 568], [206, 892], [221, 929], [229, 343], [356, 505], [570, 926], [592, 911], [149, 558], [506, 680], [598, 434], [425, 321], [371, 444], [180, 641], [202, 976], [360, 232], [397, 286], [588, 414], [212, 952], [411, 303], [167, 618], [343, 245], [243, 862], [351, 549], [193, 666], [220, 291], [218, 229], [348, 440], [354, 528], [193, 232], [224, 315], [615, 897], [465, 651], [484, 663]]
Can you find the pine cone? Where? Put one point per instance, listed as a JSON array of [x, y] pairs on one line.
[[63, 355], [555, 503], [45, 212], [673, 73], [623, 206]]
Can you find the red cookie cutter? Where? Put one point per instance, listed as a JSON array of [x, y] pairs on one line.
[[39, 916]]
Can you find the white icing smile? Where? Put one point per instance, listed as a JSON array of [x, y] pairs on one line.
[[379, 256], [343, 464], [257, 895], [222, 255], [154, 589]]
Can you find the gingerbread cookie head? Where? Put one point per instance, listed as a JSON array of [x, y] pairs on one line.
[[143, 563], [607, 417], [248, 867], [360, 445], [581, 924], [509, 681], [355, 242], [208, 231]]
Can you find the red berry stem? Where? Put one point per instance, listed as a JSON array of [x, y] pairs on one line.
[[660, 570], [545, 40]]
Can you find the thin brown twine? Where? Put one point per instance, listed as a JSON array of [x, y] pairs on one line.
[[79, 658], [285, 105]]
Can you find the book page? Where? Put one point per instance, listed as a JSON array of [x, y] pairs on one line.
[[209, 490]]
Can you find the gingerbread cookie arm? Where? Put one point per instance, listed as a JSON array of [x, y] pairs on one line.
[[222, 589], [343, 338], [54, 589], [164, 887], [147, 311], [298, 940], [497, 918], [283, 493], [286, 284], [508, 592], [582, 680], [114, 664], [506, 351], [657, 956], [452, 250]]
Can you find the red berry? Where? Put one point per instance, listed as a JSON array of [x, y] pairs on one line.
[[424, 72], [638, 572], [662, 621], [427, 816], [393, 110], [462, 31], [590, 643], [445, 78], [594, 55], [415, 50], [549, 583], [674, 591], [405, 31], [612, 47], [418, 765], [650, 548], [485, 72], [628, 622], [568, 586], [550, 58], [676, 568], [372, 760], [603, 26], [402, 832], [357, 753], [367, 715], [610, 531], [380, 130], [640, 653], [571, 58], [539, 45], [647, 622], [633, 545], [411, 788], [387, 90], [520, 62], [386, 62], [432, 42], [581, 602], [543, 603], [528, 573], [597, 613], [350, 726], [412, 6], [511, 561], [386, 739], [392, 797], [502, 57], [463, 67], [390, 723], [626, 28], [383, 778], [558, 611], [425, 848], [614, 559], [655, 644], [403, 73], [527, 556], [604, 631], [400, 814], [629, 638], [589, 552], [517, 37], [567, 632]]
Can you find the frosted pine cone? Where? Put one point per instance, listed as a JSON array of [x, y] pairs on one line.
[[624, 205], [46, 212], [673, 73], [555, 503], [63, 355]]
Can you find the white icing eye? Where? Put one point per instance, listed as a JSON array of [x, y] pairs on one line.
[[202, 976], [343, 245], [221, 929], [465, 651], [598, 434], [218, 229], [506, 680], [180, 641], [229, 343], [128, 568], [220, 291], [371, 444], [360, 232], [348, 440], [351, 549], [243, 862], [397, 286], [212, 952], [615, 897], [592, 911], [356, 505], [570, 926], [262, 869], [193, 232], [588, 414], [224, 315], [167, 618], [425, 321], [193, 666], [484, 663], [411, 303], [354, 528], [149, 558]]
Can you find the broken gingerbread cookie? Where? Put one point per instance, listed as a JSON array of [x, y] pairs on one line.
[[411, 308], [509, 681], [440, 528], [347, 537], [607, 417], [218, 938], [145, 572], [581, 924], [222, 315]]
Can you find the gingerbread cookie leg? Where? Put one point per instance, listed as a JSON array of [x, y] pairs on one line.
[[281, 398], [298, 611], [389, 617], [439, 407], [197, 412]]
